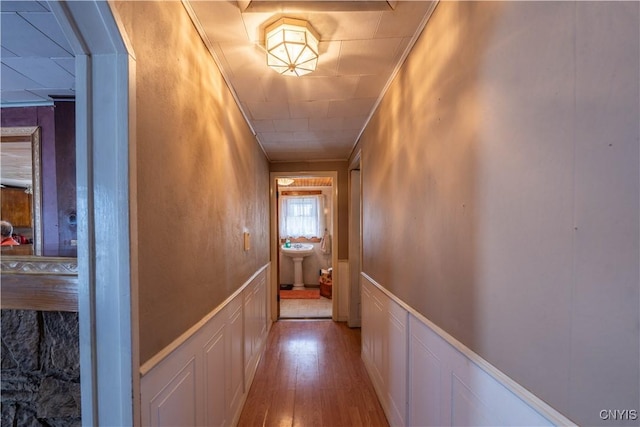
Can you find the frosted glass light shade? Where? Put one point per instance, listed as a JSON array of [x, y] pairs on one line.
[[292, 47], [285, 181]]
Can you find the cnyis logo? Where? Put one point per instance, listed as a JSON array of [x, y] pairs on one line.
[[619, 414]]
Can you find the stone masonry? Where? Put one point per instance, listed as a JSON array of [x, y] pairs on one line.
[[40, 382]]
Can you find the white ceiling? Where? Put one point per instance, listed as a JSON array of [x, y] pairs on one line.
[[37, 61], [315, 117], [321, 115]]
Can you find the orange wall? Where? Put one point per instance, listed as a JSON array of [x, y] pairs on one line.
[[200, 178], [501, 193]]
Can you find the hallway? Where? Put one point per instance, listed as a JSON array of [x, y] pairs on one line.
[[311, 374]]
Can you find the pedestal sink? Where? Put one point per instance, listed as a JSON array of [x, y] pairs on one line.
[[297, 252]]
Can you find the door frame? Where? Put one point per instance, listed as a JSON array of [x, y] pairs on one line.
[[354, 314], [107, 297], [275, 280]]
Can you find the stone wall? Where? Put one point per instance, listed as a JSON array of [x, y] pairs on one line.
[[40, 368]]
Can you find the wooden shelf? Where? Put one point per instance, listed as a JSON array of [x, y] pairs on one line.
[[39, 283]]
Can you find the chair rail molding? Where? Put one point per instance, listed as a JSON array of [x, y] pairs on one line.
[[409, 358]]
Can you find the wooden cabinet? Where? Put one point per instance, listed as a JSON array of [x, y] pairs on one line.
[[16, 207]]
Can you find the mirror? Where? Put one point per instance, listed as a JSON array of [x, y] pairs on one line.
[[20, 176]]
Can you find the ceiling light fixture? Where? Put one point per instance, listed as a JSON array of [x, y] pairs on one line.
[[285, 181], [292, 47]]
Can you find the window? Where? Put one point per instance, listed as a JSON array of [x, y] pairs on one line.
[[301, 216]]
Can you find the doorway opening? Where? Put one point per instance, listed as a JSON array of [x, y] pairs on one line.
[[304, 224]]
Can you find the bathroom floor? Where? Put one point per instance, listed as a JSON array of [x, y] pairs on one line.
[[305, 308]]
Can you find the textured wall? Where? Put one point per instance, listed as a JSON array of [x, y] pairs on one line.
[[343, 193], [501, 193], [65, 121], [40, 368], [200, 178]]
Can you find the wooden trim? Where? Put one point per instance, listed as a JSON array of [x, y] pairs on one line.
[[301, 193], [28, 265], [31, 134], [46, 292], [303, 240], [39, 283]]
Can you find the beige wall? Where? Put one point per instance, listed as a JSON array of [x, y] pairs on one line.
[[501, 193], [202, 180], [342, 186]]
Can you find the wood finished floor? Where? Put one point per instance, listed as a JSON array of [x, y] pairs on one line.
[[311, 374], [306, 308]]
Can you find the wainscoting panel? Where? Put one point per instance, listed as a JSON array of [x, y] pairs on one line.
[[175, 404], [214, 357], [255, 309], [234, 377], [424, 377], [425, 384], [396, 361], [342, 290], [384, 331], [203, 377]]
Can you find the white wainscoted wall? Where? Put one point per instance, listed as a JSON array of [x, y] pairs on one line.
[[203, 377], [342, 290], [425, 377]]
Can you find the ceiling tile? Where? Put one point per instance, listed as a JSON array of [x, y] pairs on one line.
[[309, 109], [293, 125], [247, 89], [243, 59], [328, 58], [69, 64], [18, 96], [326, 123], [23, 6], [47, 24], [318, 116], [256, 23], [277, 137], [13, 79], [337, 123], [345, 25], [368, 56], [21, 38], [44, 71], [263, 126], [356, 122], [370, 86], [310, 88], [268, 110], [6, 53]]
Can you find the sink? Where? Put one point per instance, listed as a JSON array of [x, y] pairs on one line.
[[298, 250]]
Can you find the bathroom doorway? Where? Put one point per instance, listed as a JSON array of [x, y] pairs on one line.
[[304, 245]]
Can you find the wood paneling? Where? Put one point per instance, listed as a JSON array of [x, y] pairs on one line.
[[16, 207]]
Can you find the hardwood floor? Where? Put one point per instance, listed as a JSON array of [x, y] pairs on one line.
[[306, 308], [312, 375]]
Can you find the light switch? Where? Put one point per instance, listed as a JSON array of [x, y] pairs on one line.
[[247, 241]]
